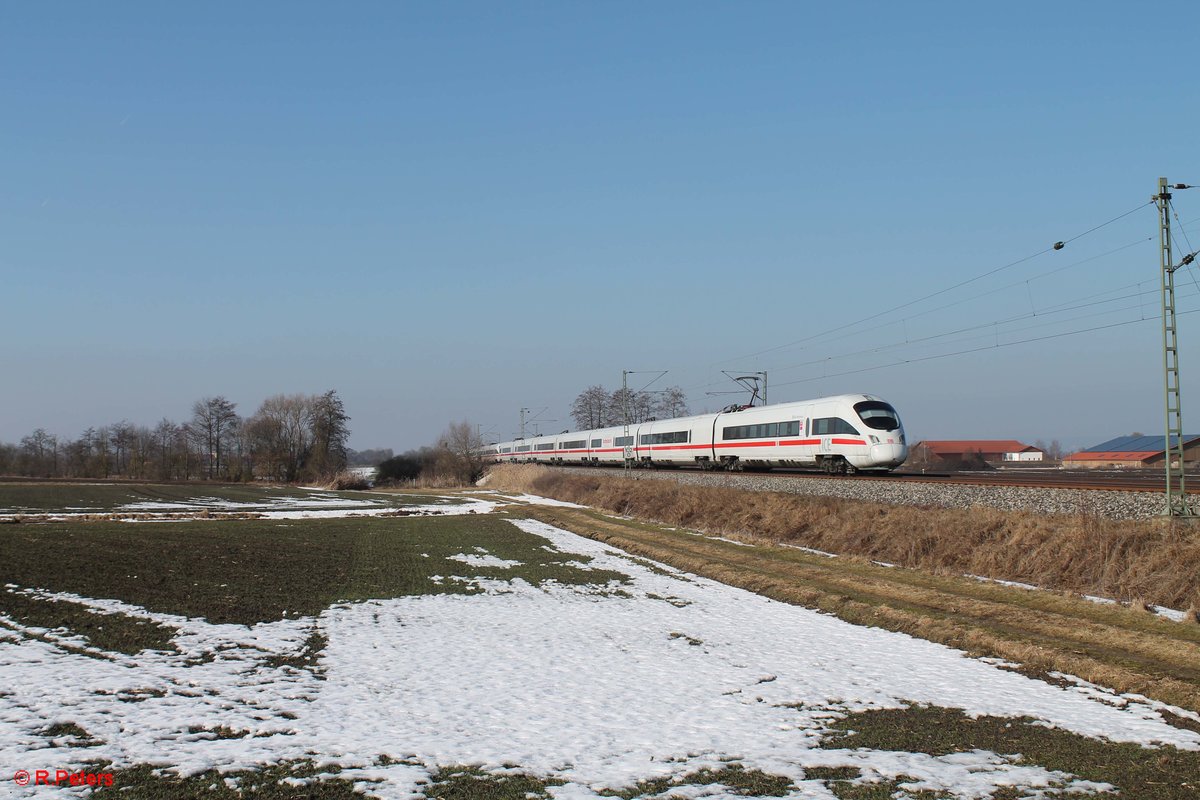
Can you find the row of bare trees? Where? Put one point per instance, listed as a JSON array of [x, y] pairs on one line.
[[596, 407], [290, 438]]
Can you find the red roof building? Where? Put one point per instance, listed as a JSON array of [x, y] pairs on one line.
[[998, 450]]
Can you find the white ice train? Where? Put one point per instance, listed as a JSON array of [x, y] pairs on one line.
[[843, 434]]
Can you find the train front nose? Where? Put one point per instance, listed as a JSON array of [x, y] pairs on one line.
[[888, 452]]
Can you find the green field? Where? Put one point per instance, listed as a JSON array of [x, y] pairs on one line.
[[250, 571]]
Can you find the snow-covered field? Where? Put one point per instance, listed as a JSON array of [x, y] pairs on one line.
[[599, 686], [314, 505]]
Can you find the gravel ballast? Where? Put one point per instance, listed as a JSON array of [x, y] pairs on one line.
[[1111, 505]]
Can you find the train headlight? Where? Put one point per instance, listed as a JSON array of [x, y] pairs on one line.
[[874, 440]]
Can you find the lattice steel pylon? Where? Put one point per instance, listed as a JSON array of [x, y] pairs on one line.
[[1177, 501]]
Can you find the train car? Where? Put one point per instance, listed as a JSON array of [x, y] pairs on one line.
[[842, 434]]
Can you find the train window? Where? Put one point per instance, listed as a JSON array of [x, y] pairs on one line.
[[622, 441], [878, 415], [673, 437], [505, 449], [831, 426], [578, 444], [546, 446], [596, 442], [522, 448], [770, 430]]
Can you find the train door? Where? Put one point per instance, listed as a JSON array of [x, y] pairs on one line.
[[643, 453], [822, 428]]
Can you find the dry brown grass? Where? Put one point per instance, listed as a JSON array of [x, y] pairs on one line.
[[436, 480], [347, 480], [1152, 561]]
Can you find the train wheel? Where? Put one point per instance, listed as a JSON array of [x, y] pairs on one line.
[[836, 465]]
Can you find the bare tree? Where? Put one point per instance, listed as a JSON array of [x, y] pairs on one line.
[[620, 408], [281, 437], [121, 436], [8, 459], [163, 441], [590, 409], [1053, 451], [94, 448], [139, 455], [188, 467], [671, 403], [76, 456], [39, 452], [329, 432], [460, 453], [101, 452], [213, 421], [638, 405]]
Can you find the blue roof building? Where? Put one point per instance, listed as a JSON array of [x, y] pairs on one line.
[[1133, 451]]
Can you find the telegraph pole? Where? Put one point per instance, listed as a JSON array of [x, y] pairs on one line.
[[523, 412], [1177, 502]]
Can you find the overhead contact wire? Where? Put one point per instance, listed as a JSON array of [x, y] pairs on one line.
[[989, 273], [980, 349]]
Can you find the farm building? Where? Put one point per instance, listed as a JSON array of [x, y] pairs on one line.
[[990, 450], [1132, 451]]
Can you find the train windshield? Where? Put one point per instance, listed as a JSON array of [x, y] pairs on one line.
[[878, 415]]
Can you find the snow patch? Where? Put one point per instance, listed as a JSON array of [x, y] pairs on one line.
[[476, 560]]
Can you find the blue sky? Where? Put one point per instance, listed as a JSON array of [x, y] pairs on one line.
[[451, 211]]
